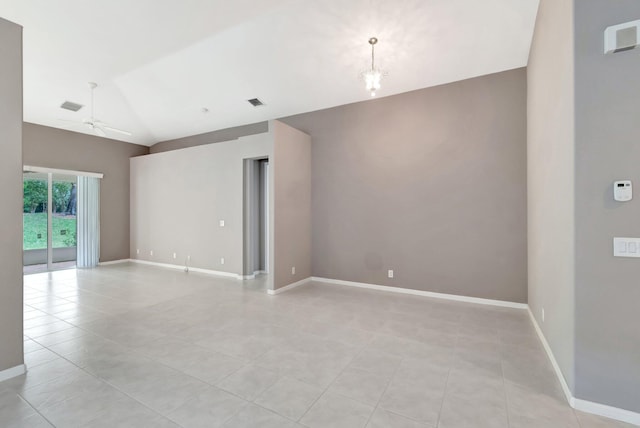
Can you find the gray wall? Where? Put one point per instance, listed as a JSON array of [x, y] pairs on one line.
[[179, 197], [423, 183], [221, 135], [11, 341], [291, 166], [608, 149], [57, 148], [550, 157]]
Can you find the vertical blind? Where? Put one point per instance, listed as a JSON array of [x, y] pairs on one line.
[[88, 197]]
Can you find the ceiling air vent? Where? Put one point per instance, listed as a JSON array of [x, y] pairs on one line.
[[68, 105], [255, 102]]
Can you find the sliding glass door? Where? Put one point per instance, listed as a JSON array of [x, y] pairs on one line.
[[63, 221], [49, 221], [35, 222]]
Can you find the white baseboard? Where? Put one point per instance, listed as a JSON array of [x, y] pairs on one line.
[[13, 372], [253, 275], [457, 298], [578, 404], [114, 262], [190, 269], [552, 358], [289, 287], [606, 411]]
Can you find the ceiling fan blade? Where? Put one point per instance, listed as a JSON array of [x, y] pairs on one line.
[[116, 130]]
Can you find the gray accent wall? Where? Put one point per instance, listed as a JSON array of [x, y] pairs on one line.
[[57, 148], [219, 136], [583, 135], [430, 183], [607, 149], [291, 166], [551, 183], [11, 339]]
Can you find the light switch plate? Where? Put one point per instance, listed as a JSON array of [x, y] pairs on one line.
[[221, 223], [626, 247]]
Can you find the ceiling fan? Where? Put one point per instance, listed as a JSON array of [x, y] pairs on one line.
[[98, 127]]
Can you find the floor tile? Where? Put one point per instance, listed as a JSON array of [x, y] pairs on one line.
[[361, 385], [13, 409], [384, 419], [376, 362], [30, 346], [249, 382], [253, 416], [336, 411], [61, 336], [464, 411], [530, 408], [33, 421], [131, 345], [39, 357], [61, 389], [289, 397], [210, 409], [82, 409], [126, 413], [413, 400]]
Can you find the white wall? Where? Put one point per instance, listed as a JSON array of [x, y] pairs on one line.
[[550, 180], [179, 197]]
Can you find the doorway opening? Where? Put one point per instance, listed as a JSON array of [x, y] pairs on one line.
[[256, 217], [49, 221]]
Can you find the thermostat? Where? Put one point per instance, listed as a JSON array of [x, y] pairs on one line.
[[622, 191]]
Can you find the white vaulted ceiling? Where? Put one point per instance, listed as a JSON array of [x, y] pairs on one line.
[[159, 62]]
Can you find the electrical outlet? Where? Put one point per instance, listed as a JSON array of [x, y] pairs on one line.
[[221, 223], [542, 314], [189, 257], [138, 251], [221, 260], [151, 253], [293, 270], [175, 256], [390, 273]]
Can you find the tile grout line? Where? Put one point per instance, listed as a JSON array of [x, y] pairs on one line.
[[95, 377], [446, 384], [330, 384], [504, 383], [35, 409], [136, 352], [393, 375]]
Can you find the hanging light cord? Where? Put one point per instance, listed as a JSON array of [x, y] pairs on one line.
[[372, 56], [372, 42]]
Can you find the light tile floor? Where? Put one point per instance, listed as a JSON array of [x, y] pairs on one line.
[[136, 346]]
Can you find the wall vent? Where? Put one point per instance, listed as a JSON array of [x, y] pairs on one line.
[[255, 102], [68, 105], [622, 37]]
